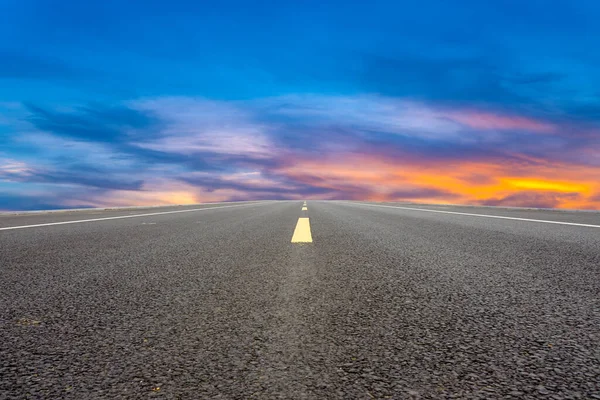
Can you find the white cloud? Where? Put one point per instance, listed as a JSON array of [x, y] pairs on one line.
[[198, 125], [10, 167], [366, 113]]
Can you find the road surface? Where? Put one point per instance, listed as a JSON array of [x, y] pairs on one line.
[[370, 300]]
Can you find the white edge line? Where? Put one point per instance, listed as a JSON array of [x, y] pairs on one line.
[[123, 216], [480, 215], [123, 208]]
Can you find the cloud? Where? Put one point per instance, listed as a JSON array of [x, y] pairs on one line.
[[85, 179], [483, 80], [113, 125], [359, 114], [377, 178], [186, 132], [82, 175], [423, 193], [490, 121], [310, 146], [266, 187], [9, 167], [533, 199]]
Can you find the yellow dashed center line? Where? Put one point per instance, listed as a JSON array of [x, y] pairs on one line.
[[302, 232], [304, 208]]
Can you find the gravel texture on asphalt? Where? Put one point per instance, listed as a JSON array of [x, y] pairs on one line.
[[385, 303]]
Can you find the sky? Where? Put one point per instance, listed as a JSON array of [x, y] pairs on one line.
[[117, 103]]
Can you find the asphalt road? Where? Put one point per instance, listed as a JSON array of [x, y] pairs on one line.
[[216, 301]]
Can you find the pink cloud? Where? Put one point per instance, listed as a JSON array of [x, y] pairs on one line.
[[13, 168], [485, 120]]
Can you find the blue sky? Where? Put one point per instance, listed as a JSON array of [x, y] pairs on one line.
[[117, 103]]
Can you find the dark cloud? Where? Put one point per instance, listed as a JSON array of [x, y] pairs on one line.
[[478, 179], [420, 193], [117, 126], [77, 175], [258, 196], [275, 188], [392, 146]]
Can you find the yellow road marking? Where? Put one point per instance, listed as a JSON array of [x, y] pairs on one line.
[[302, 232], [304, 208]]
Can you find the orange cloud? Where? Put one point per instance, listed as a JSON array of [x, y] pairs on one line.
[[161, 192], [465, 182], [371, 177]]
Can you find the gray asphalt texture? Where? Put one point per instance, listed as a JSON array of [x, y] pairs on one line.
[[385, 303]]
